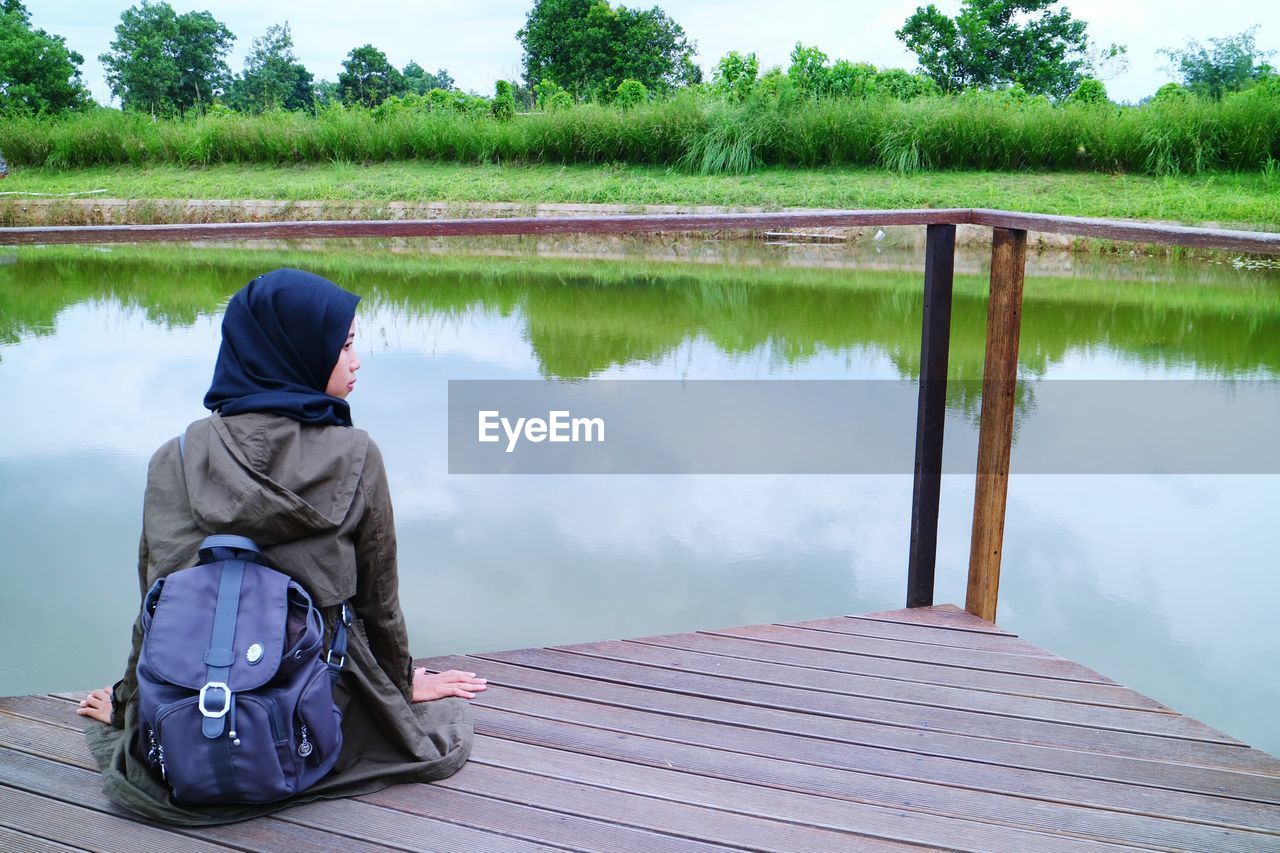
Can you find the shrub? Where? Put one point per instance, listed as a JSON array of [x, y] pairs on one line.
[[561, 100], [630, 93], [808, 70], [899, 85], [735, 75], [1090, 91], [775, 89], [1169, 92], [504, 101], [544, 91], [851, 79]]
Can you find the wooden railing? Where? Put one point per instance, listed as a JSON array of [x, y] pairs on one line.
[[1004, 316]]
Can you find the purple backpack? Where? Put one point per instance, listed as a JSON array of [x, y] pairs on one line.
[[235, 693]]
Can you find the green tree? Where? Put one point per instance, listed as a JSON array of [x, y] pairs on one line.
[[1090, 91], [1169, 93], [325, 93], [589, 47], [851, 79], [809, 71], [367, 78], [993, 42], [544, 91], [775, 88], [272, 78], [504, 101], [161, 61], [735, 75], [1229, 64], [902, 85], [38, 74], [631, 93], [419, 81]]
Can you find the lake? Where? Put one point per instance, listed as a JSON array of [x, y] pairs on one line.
[[1164, 582]]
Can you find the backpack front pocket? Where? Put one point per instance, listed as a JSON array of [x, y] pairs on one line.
[[243, 764]]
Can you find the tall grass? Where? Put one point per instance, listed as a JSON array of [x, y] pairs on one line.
[[1186, 136]]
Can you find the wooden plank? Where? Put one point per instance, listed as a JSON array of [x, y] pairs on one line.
[[1128, 231], [968, 659], [766, 738], [995, 431], [43, 739], [859, 708], [850, 654], [70, 696], [924, 634], [820, 659], [81, 827], [45, 708], [675, 655], [939, 616], [50, 779], [527, 823], [1258, 786], [860, 761], [979, 778], [931, 411], [1107, 229], [655, 814], [1176, 776], [474, 227], [12, 841], [68, 747], [998, 809], [874, 821], [360, 819]]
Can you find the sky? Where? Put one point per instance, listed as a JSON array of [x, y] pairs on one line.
[[476, 41]]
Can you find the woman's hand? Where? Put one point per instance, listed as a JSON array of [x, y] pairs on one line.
[[97, 705], [452, 682]]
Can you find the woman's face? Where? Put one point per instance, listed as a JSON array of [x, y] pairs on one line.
[[343, 379]]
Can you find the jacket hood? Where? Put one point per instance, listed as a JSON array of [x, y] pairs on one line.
[[271, 478]]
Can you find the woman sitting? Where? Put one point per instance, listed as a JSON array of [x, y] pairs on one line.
[[278, 461]]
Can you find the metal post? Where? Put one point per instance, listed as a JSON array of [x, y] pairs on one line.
[[935, 343], [995, 435]]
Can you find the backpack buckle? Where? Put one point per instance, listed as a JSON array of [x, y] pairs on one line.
[[226, 699]]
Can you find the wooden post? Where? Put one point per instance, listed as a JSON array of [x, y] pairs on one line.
[[995, 436], [935, 343]]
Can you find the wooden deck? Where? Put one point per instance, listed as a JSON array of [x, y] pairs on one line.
[[926, 728]]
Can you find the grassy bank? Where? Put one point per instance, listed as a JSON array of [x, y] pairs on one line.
[[1247, 199], [696, 133]]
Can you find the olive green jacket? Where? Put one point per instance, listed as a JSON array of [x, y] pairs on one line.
[[315, 499]]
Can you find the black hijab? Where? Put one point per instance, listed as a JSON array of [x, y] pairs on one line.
[[281, 337]]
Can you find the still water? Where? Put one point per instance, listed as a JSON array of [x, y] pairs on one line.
[[1166, 583]]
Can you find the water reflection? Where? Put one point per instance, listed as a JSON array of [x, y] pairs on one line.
[[1158, 582], [583, 317]]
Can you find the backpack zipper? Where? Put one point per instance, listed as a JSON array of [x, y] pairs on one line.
[[155, 752]]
